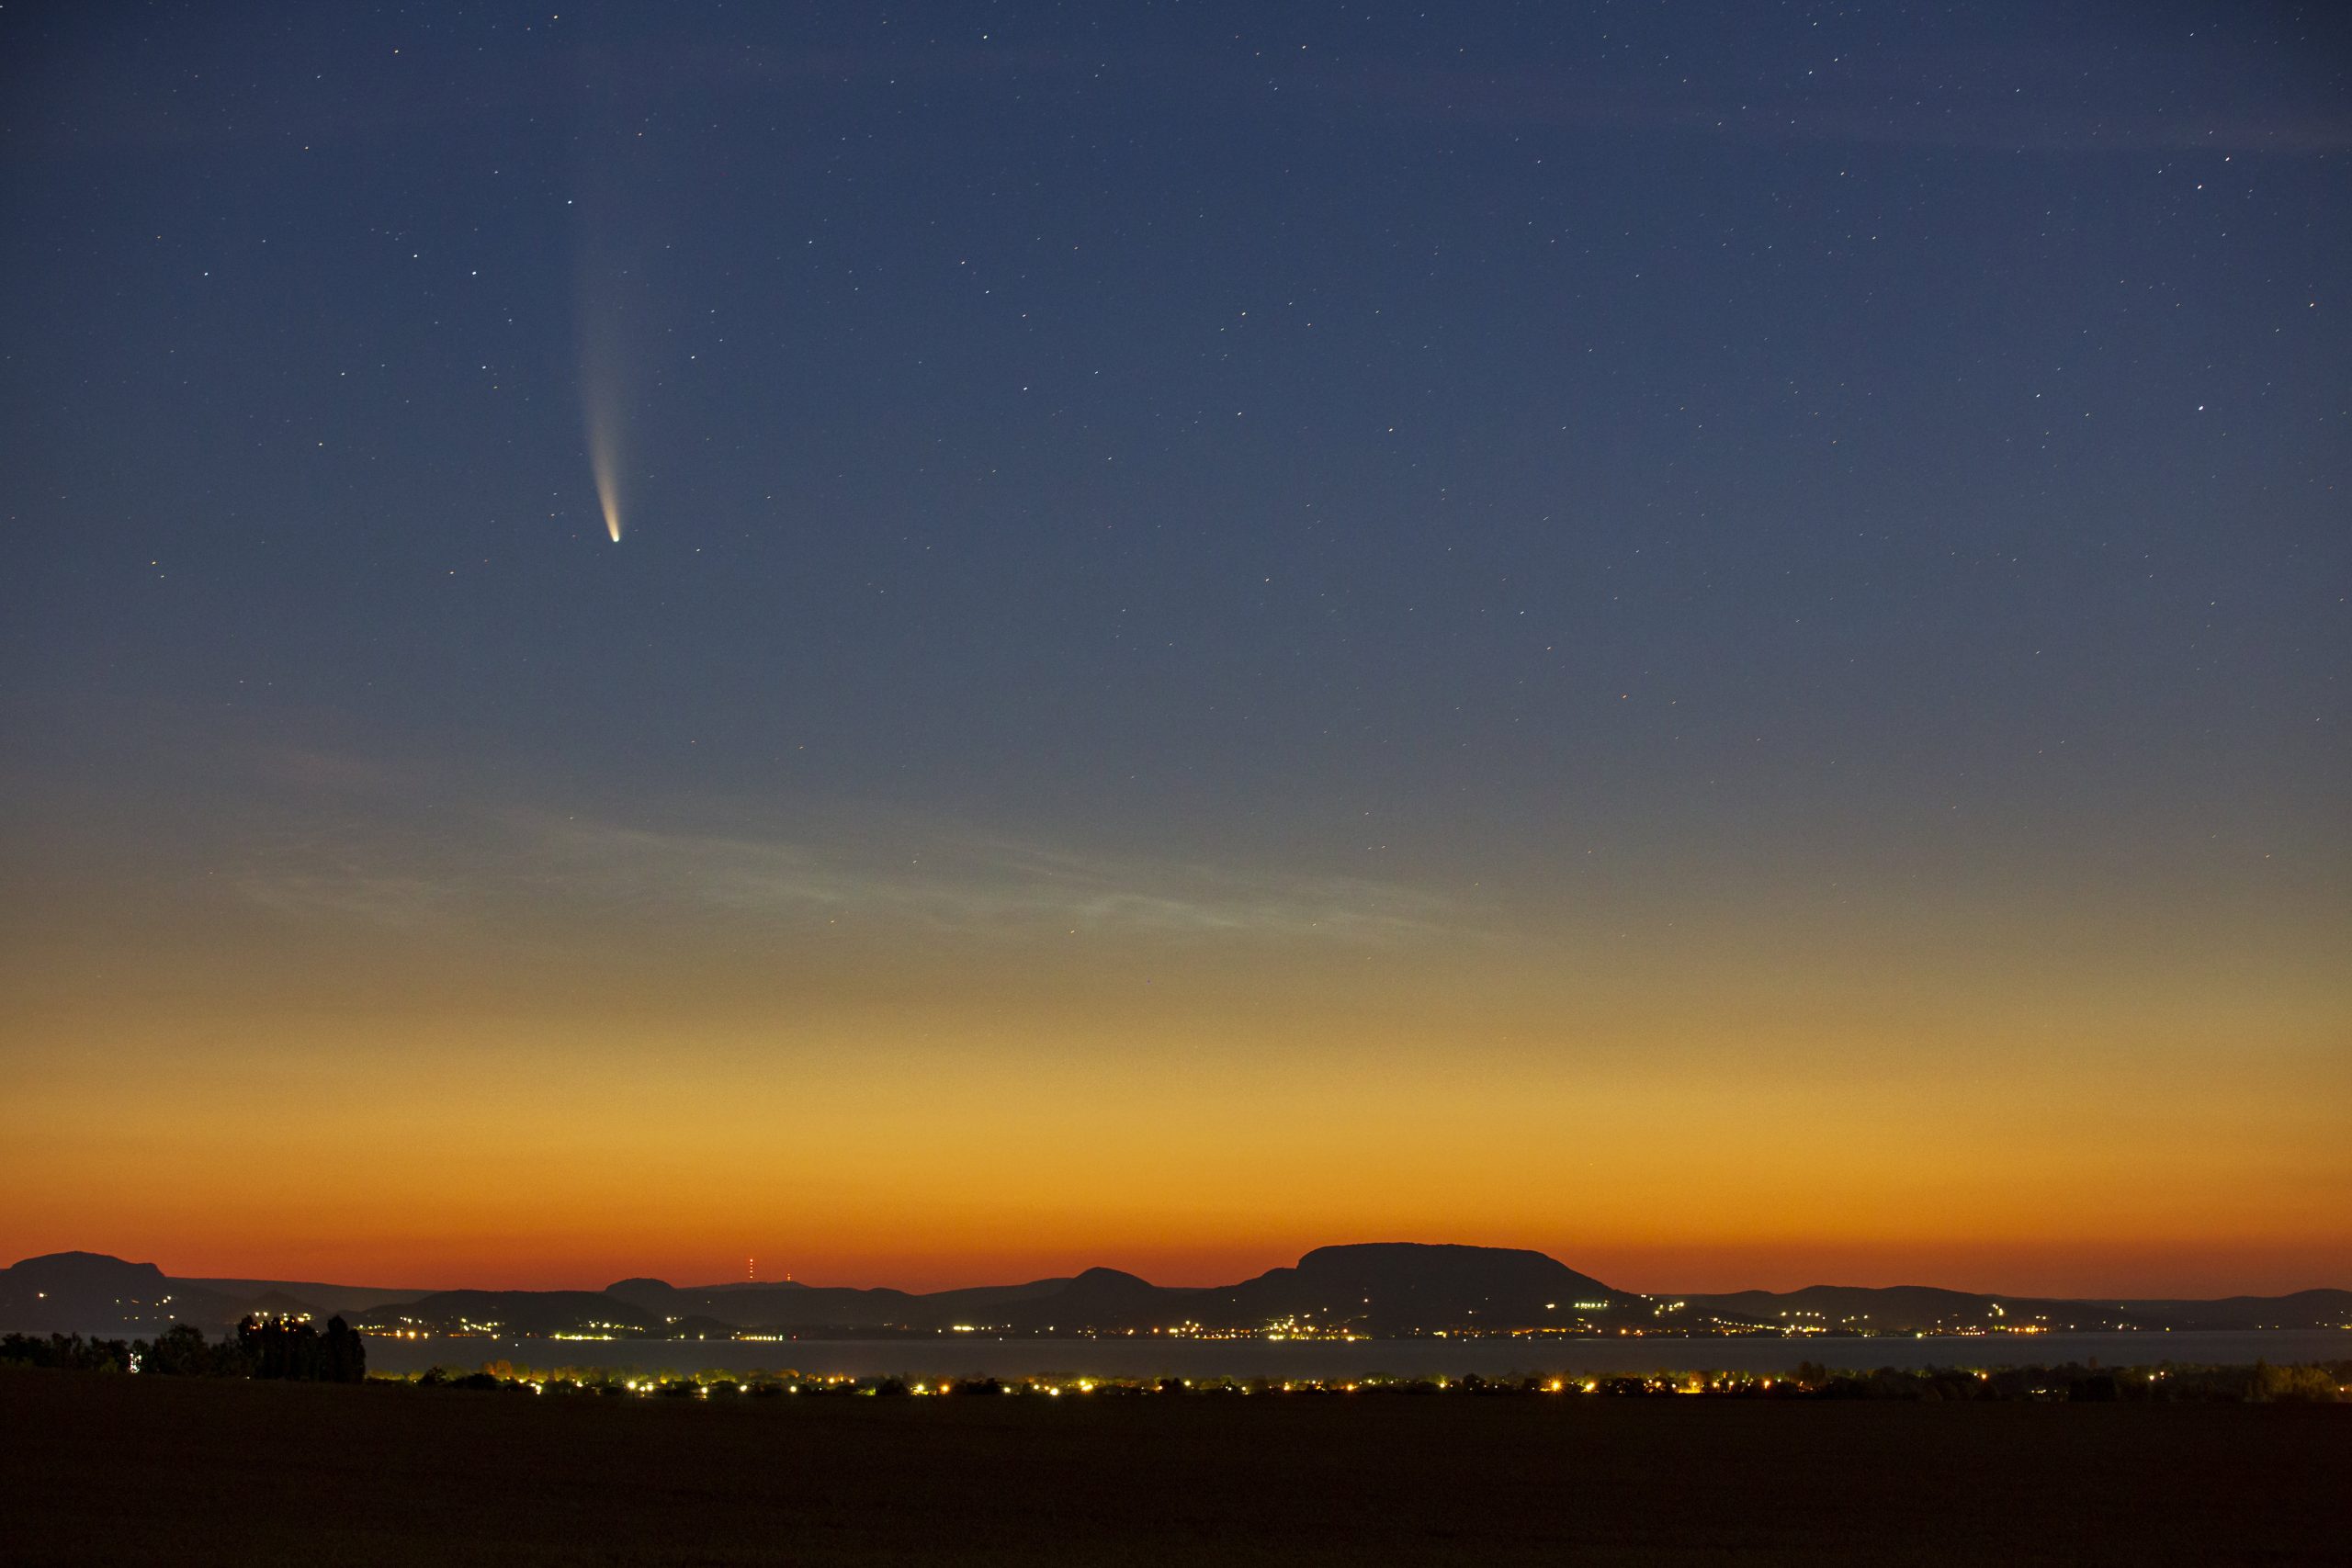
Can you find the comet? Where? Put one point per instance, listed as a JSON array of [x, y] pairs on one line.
[[602, 463], [599, 410], [608, 289]]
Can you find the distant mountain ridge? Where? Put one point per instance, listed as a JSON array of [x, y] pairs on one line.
[[1378, 1289], [91, 1293]]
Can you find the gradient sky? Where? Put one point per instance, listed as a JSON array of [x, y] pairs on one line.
[[1711, 638]]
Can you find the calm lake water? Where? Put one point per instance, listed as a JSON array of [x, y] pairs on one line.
[[971, 1356]]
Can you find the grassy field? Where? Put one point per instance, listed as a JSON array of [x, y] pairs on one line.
[[112, 1469]]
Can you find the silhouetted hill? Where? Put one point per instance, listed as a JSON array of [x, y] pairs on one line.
[[1903, 1309], [87, 1270], [1385, 1287], [515, 1311], [991, 1303], [780, 1306], [1907, 1309], [654, 1295], [1402, 1287], [2303, 1309], [1099, 1298], [322, 1299], [1373, 1288], [789, 1305], [89, 1292]]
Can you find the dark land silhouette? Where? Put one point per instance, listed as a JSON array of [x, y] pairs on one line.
[[1383, 1289], [111, 1469], [282, 1349]]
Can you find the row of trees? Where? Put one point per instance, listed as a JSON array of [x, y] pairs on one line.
[[68, 1352], [290, 1349], [2326, 1382], [2321, 1383], [282, 1347]]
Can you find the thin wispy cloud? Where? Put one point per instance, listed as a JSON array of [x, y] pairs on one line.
[[349, 892], [956, 879], [929, 877]]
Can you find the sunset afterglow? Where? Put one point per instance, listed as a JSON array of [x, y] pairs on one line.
[[1715, 650]]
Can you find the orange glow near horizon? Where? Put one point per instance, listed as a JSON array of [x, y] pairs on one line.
[[1728, 658], [1832, 1101]]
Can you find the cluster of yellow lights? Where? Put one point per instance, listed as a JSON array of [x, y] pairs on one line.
[[1653, 1383]]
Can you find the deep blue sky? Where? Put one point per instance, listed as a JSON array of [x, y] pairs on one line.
[[1175, 409], [1610, 458]]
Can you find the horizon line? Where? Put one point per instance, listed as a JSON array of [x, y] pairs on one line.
[[790, 1282]]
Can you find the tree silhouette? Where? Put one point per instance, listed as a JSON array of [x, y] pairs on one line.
[[180, 1351], [343, 1354], [293, 1348]]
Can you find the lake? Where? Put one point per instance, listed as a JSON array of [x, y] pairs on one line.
[[978, 1356]]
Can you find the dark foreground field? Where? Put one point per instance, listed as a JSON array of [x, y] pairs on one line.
[[109, 1469]]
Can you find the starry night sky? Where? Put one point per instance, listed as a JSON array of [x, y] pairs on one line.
[[1708, 637]]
